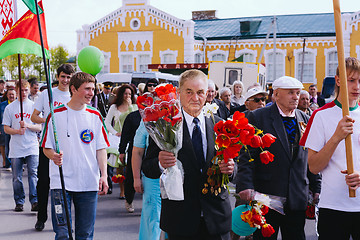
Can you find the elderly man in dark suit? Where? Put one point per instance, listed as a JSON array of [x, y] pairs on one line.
[[287, 176], [198, 216]]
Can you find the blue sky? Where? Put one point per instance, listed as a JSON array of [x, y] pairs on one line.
[[64, 17]]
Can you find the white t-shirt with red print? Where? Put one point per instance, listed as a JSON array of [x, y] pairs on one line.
[[21, 145]]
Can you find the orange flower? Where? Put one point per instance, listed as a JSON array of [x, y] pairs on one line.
[[256, 141], [266, 157], [267, 140], [240, 121], [267, 230], [222, 141]]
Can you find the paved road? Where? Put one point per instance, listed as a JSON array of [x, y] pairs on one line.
[[112, 220]]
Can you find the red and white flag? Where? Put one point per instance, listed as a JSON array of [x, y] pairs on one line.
[[7, 16]]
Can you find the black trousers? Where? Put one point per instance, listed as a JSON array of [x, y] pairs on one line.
[[202, 234], [129, 181], [334, 225], [291, 224], [43, 186]]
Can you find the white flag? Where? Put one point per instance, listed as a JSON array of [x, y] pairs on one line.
[[7, 16]]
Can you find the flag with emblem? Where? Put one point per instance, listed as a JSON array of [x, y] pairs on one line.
[[24, 37], [7, 16]]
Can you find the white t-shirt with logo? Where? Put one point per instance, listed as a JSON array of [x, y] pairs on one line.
[[21, 145], [322, 125], [59, 97], [80, 134]]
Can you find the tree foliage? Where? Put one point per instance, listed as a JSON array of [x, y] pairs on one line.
[[32, 65]]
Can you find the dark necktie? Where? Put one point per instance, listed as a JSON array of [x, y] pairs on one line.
[[197, 143]]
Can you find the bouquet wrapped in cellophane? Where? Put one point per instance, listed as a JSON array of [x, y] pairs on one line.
[[162, 118]]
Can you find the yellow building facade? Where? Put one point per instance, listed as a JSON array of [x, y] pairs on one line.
[[138, 34]]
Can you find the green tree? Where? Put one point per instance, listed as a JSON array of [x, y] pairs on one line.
[[59, 55]]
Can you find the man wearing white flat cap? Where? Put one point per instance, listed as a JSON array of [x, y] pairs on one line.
[[287, 176], [255, 98]]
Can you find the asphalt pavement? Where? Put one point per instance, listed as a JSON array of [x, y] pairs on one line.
[[112, 219]]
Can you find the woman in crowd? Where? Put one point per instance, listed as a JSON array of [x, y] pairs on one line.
[[124, 103], [237, 89], [150, 215]]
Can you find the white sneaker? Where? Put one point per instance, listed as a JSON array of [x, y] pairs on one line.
[[129, 207]]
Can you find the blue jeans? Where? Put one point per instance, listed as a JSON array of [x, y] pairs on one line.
[[150, 214], [7, 159], [32, 162], [85, 212]]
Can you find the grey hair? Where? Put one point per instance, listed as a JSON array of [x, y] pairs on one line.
[[304, 92], [223, 90]]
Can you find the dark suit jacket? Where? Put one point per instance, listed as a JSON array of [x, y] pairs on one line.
[[103, 104], [320, 101], [131, 124], [285, 176], [183, 217]]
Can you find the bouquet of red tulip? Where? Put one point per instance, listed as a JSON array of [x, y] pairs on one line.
[[255, 217], [162, 117], [231, 136], [118, 178]]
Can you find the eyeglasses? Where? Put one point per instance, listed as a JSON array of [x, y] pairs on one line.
[[258, 99], [152, 84]]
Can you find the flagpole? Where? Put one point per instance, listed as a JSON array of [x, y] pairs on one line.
[[343, 86], [20, 89], [53, 123]]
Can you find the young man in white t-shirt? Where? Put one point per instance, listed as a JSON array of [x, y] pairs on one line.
[[61, 95], [82, 139], [339, 214], [23, 146]]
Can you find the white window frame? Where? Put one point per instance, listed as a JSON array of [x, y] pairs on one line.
[[269, 61], [298, 59], [122, 64], [327, 52], [168, 51], [139, 64], [218, 51], [106, 68], [358, 51], [201, 53], [238, 53]]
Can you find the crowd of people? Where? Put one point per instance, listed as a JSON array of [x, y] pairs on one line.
[[100, 134]]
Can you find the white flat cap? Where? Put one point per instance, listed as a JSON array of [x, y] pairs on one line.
[[286, 82], [253, 91]]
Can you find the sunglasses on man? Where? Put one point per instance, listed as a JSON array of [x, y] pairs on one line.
[[258, 99], [152, 84]]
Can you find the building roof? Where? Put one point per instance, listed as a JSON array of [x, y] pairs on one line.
[[299, 25]]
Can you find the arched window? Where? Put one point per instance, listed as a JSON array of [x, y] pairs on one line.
[[218, 57], [199, 58], [280, 64], [332, 63]]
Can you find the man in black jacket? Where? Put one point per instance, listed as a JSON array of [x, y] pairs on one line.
[[287, 176], [198, 216]]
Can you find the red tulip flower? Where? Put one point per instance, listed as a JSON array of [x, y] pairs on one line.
[[223, 141], [267, 140], [230, 129], [144, 101], [267, 230], [240, 121], [151, 114], [264, 209], [266, 157], [256, 218], [256, 142], [218, 128]]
